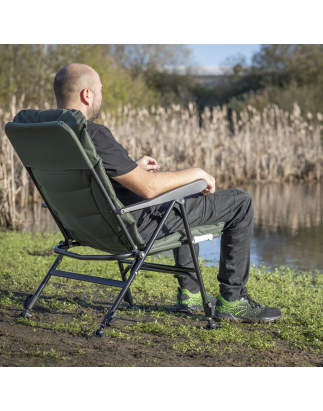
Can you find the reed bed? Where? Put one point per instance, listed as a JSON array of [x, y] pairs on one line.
[[269, 146], [266, 146]]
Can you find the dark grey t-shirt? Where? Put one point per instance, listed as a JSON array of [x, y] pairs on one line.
[[117, 162]]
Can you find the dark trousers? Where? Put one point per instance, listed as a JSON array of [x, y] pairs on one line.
[[234, 208]]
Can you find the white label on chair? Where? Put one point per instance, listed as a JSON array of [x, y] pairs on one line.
[[199, 239]]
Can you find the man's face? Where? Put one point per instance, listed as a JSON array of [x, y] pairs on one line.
[[94, 109]]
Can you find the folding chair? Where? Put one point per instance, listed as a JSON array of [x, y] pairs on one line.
[[61, 160]]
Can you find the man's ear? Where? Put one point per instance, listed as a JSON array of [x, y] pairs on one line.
[[86, 96]]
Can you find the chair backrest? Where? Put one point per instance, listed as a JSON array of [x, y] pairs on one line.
[[55, 145]]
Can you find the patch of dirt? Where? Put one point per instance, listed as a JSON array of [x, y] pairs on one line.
[[25, 346]]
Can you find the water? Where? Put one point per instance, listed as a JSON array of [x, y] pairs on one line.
[[288, 228]]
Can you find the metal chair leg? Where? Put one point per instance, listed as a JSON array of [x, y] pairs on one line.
[[128, 297], [209, 310], [111, 316], [31, 299]]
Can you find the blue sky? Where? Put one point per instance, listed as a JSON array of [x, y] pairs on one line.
[[214, 55]]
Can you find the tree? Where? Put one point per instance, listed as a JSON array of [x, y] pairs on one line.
[[281, 64], [31, 69], [155, 57], [282, 74]]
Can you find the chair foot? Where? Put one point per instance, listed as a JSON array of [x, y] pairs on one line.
[[211, 325], [25, 314], [132, 307], [99, 333]]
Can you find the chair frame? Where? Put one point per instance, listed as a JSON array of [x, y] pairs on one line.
[[138, 262]]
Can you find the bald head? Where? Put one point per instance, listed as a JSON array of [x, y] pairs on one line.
[[71, 80], [78, 86]]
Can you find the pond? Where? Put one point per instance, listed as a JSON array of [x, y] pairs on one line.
[[288, 228]]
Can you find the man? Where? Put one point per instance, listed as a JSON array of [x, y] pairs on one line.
[[78, 86]]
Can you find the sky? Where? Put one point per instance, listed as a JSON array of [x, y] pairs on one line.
[[212, 56]]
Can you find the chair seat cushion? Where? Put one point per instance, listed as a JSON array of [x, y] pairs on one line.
[[174, 240]]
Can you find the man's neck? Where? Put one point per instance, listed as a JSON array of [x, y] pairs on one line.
[[72, 107]]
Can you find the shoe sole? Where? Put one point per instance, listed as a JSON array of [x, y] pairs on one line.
[[222, 316], [188, 309]]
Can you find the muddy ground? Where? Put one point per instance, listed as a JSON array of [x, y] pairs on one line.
[[68, 311], [28, 346]]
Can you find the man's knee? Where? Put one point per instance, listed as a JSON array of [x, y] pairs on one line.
[[244, 208], [247, 204], [247, 200], [243, 198], [237, 191]]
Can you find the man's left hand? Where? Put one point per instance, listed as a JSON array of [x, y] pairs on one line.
[[148, 164]]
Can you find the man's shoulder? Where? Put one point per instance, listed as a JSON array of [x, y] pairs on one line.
[[94, 128]]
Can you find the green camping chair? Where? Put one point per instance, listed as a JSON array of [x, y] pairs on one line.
[[61, 160]]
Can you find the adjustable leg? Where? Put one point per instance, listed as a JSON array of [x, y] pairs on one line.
[[111, 316], [128, 297], [208, 308], [31, 300]]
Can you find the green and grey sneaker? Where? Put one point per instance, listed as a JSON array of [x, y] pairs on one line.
[[191, 303], [244, 310]]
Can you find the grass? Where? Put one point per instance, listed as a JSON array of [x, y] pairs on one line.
[[47, 354], [77, 308]]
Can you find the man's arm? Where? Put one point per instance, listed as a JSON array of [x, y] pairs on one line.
[[149, 185]]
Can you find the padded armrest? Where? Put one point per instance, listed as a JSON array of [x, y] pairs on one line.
[[175, 194]]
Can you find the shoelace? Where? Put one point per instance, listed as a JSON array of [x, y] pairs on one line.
[[252, 303]]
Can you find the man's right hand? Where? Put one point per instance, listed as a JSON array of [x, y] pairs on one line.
[[210, 181]]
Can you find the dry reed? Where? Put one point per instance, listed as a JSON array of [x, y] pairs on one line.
[[272, 145], [268, 146]]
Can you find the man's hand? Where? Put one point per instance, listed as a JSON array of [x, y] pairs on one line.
[[148, 163], [210, 181]]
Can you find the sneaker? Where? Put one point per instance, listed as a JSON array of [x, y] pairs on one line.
[[244, 310], [191, 303]]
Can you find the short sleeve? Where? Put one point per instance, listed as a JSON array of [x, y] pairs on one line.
[[115, 158]]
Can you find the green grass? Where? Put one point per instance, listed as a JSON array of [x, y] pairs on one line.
[[47, 354], [76, 307]]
